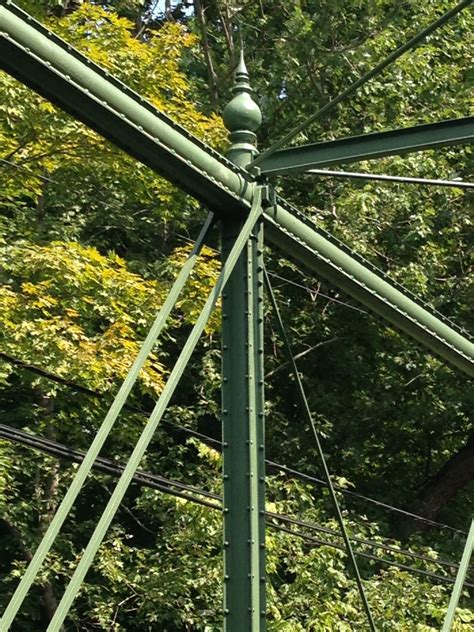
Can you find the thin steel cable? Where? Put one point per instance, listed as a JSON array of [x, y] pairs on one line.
[[216, 442], [387, 178], [174, 488], [312, 292], [67, 502], [310, 420], [416, 39]]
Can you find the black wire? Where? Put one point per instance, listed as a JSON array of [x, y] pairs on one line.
[[106, 465], [382, 560], [198, 495], [306, 477], [218, 444], [33, 175], [372, 543]]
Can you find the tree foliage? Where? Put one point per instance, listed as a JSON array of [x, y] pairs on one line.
[[91, 242]]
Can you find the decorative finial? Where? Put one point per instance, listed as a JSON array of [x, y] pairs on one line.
[[242, 117]]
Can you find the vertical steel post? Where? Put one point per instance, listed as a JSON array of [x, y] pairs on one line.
[[242, 395]]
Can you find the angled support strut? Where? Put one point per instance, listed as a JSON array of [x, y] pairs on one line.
[[154, 420]]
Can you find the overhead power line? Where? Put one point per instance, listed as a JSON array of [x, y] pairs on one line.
[[218, 445], [214, 501]]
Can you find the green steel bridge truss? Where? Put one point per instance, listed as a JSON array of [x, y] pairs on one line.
[[237, 192]]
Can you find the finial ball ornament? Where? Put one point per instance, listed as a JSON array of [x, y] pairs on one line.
[[242, 113]]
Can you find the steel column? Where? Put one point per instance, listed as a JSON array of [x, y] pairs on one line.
[[243, 443], [242, 397]]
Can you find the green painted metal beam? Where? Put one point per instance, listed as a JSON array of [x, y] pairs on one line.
[[293, 233], [57, 71], [369, 146], [54, 69], [103, 433], [460, 578], [414, 41], [243, 453], [148, 432]]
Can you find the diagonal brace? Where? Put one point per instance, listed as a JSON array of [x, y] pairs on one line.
[[102, 434], [309, 419], [155, 418], [460, 578]]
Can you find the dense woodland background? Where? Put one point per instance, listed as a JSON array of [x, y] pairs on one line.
[[90, 242]]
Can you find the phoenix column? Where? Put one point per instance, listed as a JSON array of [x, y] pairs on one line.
[[242, 393]]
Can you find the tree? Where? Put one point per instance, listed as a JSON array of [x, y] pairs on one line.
[[84, 268]]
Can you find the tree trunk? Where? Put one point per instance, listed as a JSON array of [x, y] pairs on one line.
[[48, 597], [455, 474]]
